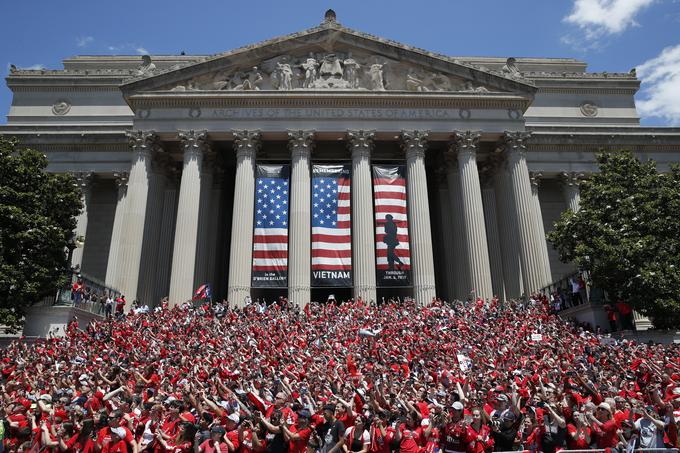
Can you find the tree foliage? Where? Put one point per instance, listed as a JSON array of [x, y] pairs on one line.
[[37, 218], [627, 234]]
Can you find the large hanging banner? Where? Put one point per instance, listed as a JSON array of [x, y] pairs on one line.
[[393, 256], [331, 226], [270, 233]]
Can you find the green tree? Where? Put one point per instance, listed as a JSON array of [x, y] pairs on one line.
[[37, 219], [626, 234]]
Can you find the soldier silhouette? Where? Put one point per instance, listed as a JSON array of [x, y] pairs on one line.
[[390, 239]]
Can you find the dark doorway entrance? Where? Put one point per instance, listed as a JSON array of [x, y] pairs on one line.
[[321, 294]]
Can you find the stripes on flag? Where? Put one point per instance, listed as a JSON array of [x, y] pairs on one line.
[[389, 198], [270, 233], [331, 226]]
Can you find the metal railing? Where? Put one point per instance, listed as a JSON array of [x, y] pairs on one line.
[[91, 299], [602, 450], [562, 290]]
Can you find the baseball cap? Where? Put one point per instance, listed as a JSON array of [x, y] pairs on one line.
[[234, 417], [457, 406]]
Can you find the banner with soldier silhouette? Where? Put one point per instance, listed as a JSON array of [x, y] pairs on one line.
[[393, 255]]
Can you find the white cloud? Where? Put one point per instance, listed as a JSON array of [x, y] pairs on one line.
[[597, 18], [128, 48], [84, 41], [660, 94]]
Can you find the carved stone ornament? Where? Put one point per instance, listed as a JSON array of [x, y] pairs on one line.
[[414, 143], [516, 141], [246, 142], [589, 109], [194, 142], [143, 141], [466, 141], [301, 142], [121, 179], [83, 179], [360, 142], [336, 70], [61, 107]]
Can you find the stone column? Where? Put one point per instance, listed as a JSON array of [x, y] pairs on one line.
[[167, 234], [492, 238], [571, 187], [84, 181], [422, 261], [460, 253], [507, 225], [144, 144], [152, 229], [246, 144], [530, 255], [300, 144], [215, 214], [447, 234], [194, 144], [206, 217], [535, 178], [360, 144], [466, 144], [112, 270]]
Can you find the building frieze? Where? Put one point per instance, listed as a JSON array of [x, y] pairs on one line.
[[325, 100]]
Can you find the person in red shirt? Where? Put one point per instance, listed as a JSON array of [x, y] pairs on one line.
[[116, 442], [409, 435], [382, 434], [578, 433], [478, 436], [299, 435], [106, 435], [455, 431], [214, 444], [604, 426]]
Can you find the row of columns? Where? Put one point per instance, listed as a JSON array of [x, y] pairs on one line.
[[497, 246]]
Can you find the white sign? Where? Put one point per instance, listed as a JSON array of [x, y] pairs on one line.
[[536, 337], [464, 363]]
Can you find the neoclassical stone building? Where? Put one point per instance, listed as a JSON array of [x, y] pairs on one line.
[[172, 153]]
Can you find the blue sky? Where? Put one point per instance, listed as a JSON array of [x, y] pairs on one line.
[[611, 35]]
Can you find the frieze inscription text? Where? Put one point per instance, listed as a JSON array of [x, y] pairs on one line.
[[333, 113]]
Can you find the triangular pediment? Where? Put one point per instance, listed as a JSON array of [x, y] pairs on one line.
[[330, 57]]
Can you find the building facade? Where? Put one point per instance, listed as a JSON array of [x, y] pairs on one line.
[[445, 172]]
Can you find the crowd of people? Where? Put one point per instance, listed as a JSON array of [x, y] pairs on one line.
[[337, 378]]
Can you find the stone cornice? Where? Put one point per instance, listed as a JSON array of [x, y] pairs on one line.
[[222, 99]]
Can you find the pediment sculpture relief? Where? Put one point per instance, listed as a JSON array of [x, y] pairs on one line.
[[330, 71]]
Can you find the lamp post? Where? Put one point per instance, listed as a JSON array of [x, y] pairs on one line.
[[64, 295]]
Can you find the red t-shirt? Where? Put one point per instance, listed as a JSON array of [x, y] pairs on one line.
[[606, 435], [300, 445], [209, 446], [410, 439], [74, 445], [580, 442], [118, 447]]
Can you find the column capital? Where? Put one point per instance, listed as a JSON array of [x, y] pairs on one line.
[[195, 143], [414, 143], [121, 179], [465, 143], [572, 178], [360, 143], [247, 142], [83, 179], [516, 142], [143, 142], [300, 143], [535, 179]]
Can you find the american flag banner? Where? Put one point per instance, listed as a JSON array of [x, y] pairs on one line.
[[270, 233], [331, 226], [393, 256]]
